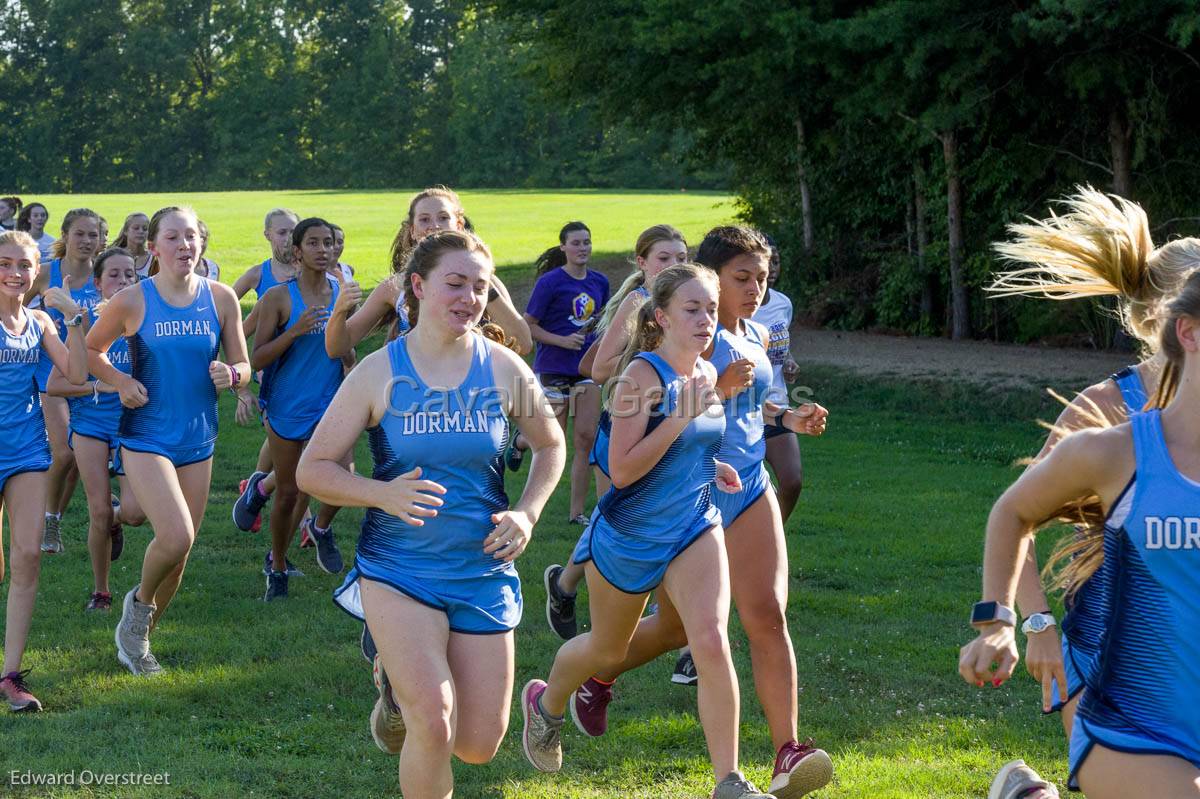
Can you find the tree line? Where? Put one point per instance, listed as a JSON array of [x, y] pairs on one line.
[[104, 95], [886, 144]]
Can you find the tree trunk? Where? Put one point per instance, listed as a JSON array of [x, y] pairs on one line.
[[1120, 144], [805, 199], [960, 327], [928, 281]]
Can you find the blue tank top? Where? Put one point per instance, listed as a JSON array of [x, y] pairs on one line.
[[1133, 391], [170, 354], [1146, 684], [20, 403], [676, 494], [1089, 607], [86, 295], [457, 437], [102, 411], [300, 383], [266, 279], [744, 446], [402, 323]]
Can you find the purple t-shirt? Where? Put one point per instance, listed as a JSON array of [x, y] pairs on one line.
[[561, 305]]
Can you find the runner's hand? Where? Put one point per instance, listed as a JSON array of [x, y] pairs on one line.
[[574, 341], [133, 394], [737, 377], [808, 419], [313, 316], [407, 496], [511, 536], [349, 294], [1044, 660], [991, 657], [727, 479], [244, 415]]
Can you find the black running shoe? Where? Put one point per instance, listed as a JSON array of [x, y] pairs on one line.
[[685, 670], [277, 586], [560, 608], [368, 644], [329, 557], [292, 571]]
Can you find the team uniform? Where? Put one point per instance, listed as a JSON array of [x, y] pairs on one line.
[[44, 244], [170, 354], [1141, 696], [563, 305], [744, 447], [402, 323], [99, 416], [1087, 614], [21, 356], [775, 314], [86, 296], [598, 455], [298, 385], [457, 437], [636, 531]]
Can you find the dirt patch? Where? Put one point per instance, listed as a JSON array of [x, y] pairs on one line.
[[981, 362], [997, 366]]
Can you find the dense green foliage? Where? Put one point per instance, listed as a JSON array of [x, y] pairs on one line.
[[874, 115], [204, 94]]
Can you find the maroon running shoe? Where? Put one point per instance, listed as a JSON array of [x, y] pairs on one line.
[[800, 769], [589, 707], [99, 600]]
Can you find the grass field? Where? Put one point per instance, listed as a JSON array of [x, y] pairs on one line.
[[273, 700], [516, 224]]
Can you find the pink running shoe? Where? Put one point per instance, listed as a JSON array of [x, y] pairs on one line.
[[800, 769], [589, 707], [14, 691]]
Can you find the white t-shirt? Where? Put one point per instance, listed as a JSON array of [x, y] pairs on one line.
[[776, 315], [44, 244]]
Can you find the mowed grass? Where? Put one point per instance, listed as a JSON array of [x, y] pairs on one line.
[[516, 224], [273, 700]]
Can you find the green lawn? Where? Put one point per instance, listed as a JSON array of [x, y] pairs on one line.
[[516, 224], [273, 700]]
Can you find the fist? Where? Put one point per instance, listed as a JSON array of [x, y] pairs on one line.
[[221, 375]]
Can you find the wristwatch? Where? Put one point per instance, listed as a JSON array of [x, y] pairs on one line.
[[1038, 623], [74, 321], [988, 612]]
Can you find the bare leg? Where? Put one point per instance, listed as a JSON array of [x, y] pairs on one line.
[[264, 457], [758, 576], [174, 502], [1107, 774], [783, 453], [24, 494], [91, 455], [131, 510], [585, 406], [57, 416], [288, 503]]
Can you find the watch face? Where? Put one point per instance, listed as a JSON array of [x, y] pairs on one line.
[[1037, 624], [983, 612]]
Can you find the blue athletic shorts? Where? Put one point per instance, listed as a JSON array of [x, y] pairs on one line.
[[37, 463], [474, 605], [184, 456], [1085, 735], [292, 429], [635, 566], [100, 435], [754, 483]]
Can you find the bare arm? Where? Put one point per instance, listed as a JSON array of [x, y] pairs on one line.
[[247, 281], [269, 343], [632, 453], [233, 342], [504, 313], [342, 333], [71, 358], [543, 336], [615, 340]]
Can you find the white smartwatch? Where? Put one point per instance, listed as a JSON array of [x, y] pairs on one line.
[[1038, 623]]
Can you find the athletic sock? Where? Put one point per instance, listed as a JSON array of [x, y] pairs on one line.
[[547, 715], [261, 491], [319, 530], [594, 678]]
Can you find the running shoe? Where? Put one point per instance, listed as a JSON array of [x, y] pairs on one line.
[[387, 723], [329, 558], [249, 504], [277, 586], [541, 735], [306, 540], [589, 707], [685, 670], [1015, 779], [99, 601], [512, 455], [367, 644], [800, 769], [116, 533], [292, 571], [52, 536], [582, 519], [14, 690], [133, 636], [560, 607], [736, 786]]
